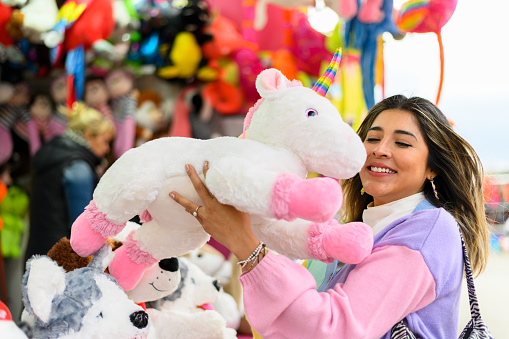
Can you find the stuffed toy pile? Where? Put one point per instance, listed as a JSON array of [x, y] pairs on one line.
[[291, 130]]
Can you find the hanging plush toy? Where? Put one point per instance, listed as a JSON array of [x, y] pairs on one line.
[[14, 115], [82, 25], [124, 101], [424, 16], [362, 37], [292, 130], [58, 122]]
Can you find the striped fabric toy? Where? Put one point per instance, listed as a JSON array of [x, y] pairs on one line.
[[323, 83]]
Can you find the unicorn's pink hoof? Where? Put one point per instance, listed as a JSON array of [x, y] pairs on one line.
[[84, 240], [317, 199], [127, 273], [349, 243]]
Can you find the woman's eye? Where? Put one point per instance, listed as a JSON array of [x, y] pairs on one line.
[[403, 144], [310, 112], [371, 140]]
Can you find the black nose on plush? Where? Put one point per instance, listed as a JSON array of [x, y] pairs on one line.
[[169, 264], [139, 319], [217, 284]]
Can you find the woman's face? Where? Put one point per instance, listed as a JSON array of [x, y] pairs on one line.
[[100, 143], [397, 155]]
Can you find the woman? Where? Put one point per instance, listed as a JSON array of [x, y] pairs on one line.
[[419, 183], [65, 175]]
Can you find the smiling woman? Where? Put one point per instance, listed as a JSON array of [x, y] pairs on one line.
[[396, 165]]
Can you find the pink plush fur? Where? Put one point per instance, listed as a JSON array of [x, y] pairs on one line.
[[129, 263], [91, 230], [281, 195], [349, 243], [313, 199], [100, 224], [315, 240]]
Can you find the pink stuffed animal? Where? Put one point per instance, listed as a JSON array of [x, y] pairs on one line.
[[14, 114], [292, 130], [124, 101]]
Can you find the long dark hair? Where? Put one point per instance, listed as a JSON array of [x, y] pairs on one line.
[[459, 179]]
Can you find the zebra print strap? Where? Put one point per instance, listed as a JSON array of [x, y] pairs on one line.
[[472, 297], [475, 329]]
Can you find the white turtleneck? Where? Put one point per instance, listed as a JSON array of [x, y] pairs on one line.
[[378, 217]]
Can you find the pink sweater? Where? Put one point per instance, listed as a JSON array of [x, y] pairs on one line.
[[390, 283]]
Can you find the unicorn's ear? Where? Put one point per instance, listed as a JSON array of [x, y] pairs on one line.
[[43, 280], [269, 82]]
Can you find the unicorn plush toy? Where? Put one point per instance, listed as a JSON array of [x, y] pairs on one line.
[[291, 130]]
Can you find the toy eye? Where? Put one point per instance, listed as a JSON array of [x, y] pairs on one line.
[[100, 315], [311, 112], [200, 255], [192, 280]]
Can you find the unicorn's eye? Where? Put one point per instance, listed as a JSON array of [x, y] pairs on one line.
[[311, 112]]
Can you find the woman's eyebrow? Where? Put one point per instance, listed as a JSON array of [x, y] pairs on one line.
[[398, 131]]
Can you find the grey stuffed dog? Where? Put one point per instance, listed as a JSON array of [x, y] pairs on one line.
[[84, 303]]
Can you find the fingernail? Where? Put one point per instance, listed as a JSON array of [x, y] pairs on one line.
[[172, 195], [187, 167], [206, 164]]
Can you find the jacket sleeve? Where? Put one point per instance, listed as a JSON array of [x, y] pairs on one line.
[[281, 300], [78, 181]]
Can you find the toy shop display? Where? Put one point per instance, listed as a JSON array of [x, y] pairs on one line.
[[171, 75]]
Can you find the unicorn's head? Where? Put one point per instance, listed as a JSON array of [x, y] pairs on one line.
[[304, 121]]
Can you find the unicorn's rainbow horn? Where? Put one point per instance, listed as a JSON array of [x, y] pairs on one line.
[[322, 85]]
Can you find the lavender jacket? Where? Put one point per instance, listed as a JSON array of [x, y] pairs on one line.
[[414, 273]]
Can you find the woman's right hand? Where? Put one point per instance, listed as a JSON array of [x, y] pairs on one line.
[[224, 223]]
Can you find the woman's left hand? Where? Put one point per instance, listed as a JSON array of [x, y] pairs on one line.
[[224, 223]]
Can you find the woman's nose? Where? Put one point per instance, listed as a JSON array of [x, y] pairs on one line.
[[382, 150]]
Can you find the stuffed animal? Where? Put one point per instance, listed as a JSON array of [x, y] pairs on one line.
[[36, 18], [58, 122], [84, 303], [96, 96], [41, 109], [14, 115], [292, 130], [185, 313], [214, 264]]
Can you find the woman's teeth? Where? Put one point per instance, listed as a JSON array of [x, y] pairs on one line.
[[381, 170]]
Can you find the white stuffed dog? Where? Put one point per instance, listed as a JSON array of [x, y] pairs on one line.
[[186, 313], [292, 130]]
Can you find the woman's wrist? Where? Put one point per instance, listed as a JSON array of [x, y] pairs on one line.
[[256, 260]]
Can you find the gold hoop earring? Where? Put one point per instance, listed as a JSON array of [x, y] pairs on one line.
[[362, 191], [434, 188]]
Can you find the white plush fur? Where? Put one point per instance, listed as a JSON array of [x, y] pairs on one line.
[[281, 139], [40, 290]]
